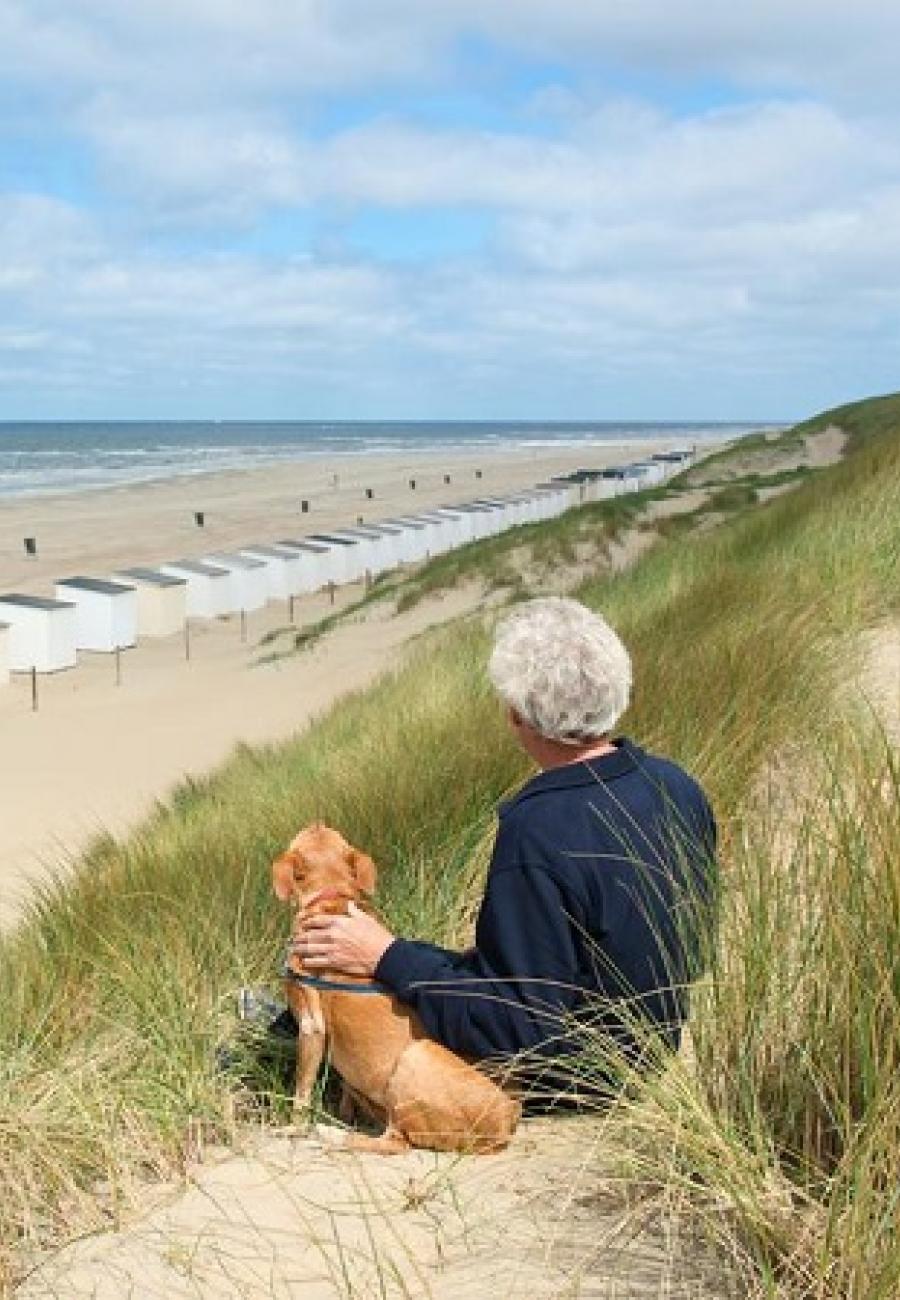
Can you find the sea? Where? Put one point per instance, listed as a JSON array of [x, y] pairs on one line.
[[45, 458]]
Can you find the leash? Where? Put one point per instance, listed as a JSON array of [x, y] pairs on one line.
[[330, 986]]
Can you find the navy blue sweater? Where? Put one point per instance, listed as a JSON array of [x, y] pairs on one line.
[[592, 890]]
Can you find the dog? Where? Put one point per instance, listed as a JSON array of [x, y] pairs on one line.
[[424, 1095]]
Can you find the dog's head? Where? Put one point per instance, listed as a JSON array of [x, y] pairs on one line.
[[319, 860]]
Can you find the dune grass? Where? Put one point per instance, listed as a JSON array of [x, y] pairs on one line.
[[119, 983]]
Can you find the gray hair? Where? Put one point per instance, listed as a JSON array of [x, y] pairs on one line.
[[562, 668]]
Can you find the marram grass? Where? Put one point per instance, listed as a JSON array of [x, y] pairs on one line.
[[780, 1140]]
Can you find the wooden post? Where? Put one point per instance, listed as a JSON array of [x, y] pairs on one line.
[[118, 665], [368, 579], [331, 591], [34, 690], [187, 639], [291, 608], [243, 625]]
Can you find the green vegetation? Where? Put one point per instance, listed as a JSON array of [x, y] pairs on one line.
[[780, 1143]]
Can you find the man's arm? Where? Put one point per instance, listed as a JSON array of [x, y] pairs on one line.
[[508, 994]]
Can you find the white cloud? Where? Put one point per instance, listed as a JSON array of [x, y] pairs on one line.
[[621, 235]]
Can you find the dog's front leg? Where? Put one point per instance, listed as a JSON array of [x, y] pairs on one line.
[[310, 1053]]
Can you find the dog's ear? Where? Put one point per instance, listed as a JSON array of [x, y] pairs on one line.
[[283, 879], [363, 870]]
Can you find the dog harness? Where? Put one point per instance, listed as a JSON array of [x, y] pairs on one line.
[[331, 986]]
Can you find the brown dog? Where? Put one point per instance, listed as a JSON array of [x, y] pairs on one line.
[[425, 1095]]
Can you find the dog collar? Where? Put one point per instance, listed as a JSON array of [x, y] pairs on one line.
[[331, 986]]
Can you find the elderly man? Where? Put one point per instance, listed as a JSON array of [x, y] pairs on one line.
[[601, 866]]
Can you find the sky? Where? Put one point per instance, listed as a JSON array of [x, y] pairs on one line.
[[460, 209]]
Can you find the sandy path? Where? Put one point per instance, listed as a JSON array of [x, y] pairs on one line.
[[291, 1218]]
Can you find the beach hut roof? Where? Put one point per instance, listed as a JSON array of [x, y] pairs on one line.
[[306, 544], [332, 540], [35, 602], [277, 552], [199, 566], [239, 561], [152, 577], [99, 586]]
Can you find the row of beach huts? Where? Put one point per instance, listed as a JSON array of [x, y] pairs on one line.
[[106, 614]]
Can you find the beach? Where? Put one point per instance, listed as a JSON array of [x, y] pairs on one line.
[[96, 756]]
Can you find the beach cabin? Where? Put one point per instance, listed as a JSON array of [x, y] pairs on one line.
[[317, 563], [161, 601], [4, 653], [394, 542], [416, 537], [349, 557], [105, 613], [284, 575], [424, 532], [208, 587], [41, 633], [459, 528], [375, 548], [249, 583]]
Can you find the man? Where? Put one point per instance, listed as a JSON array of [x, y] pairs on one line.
[[600, 875]]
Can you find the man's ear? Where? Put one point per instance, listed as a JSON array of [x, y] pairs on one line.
[[363, 870], [283, 876]]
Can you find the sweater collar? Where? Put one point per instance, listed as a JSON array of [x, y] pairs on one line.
[[592, 771]]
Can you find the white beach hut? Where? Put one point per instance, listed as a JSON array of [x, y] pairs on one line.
[[208, 587], [375, 548], [41, 633], [161, 601], [426, 533], [414, 540], [317, 563], [350, 557], [460, 528], [479, 518], [395, 541], [4, 653], [249, 583], [284, 569], [105, 613]]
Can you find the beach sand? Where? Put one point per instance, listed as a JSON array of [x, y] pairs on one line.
[[95, 756]]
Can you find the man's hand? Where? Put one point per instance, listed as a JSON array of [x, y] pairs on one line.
[[354, 943]]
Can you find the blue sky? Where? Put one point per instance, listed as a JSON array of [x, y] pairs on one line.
[[379, 208]]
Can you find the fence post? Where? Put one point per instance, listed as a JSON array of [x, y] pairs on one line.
[[34, 689]]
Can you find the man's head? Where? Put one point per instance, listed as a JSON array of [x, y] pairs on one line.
[[561, 670]]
